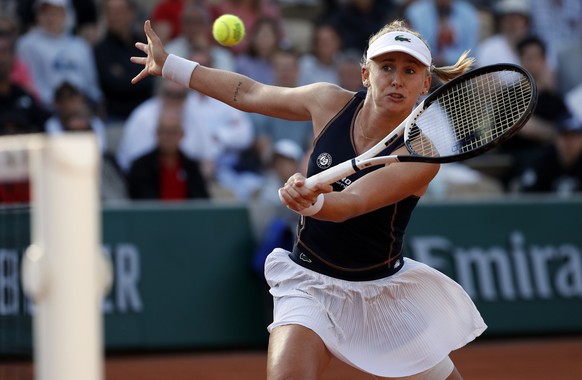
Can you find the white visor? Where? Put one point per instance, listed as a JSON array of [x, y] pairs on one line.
[[400, 41]]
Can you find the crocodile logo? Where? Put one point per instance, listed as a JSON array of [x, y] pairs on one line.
[[401, 38]]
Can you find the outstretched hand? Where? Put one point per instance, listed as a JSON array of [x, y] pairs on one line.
[[155, 55]]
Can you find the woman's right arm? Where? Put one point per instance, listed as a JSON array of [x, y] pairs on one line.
[[248, 95], [237, 90]]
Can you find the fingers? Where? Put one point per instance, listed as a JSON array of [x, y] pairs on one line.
[[139, 60], [146, 49], [141, 46], [150, 34], [293, 200], [147, 28], [144, 73], [323, 188], [295, 195]]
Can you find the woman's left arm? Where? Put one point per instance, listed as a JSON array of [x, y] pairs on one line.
[[377, 189]]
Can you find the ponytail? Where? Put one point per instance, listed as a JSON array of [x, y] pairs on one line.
[[446, 73]]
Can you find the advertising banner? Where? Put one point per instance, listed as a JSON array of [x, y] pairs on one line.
[[183, 276]]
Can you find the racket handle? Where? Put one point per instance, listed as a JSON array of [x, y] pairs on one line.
[[331, 175]]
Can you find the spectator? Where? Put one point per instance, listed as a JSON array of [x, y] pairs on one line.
[[232, 136], [26, 115], [9, 7], [250, 12], [20, 72], [350, 71], [329, 6], [245, 178], [550, 108], [287, 159], [569, 62], [559, 169], [139, 131], [513, 25], [14, 178], [573, 99], [166, 173], [114, 69], [457, 179], [55, 56], [214, 133], [86, 20], [264, 40], [196, 36], [269, 129], [558, 23], [82, 19], [450, 27], [321, 64], [166, 18], [13, 122], [112, 183], [357, 20], [68, 101]]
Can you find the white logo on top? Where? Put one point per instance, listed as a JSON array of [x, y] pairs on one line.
[[324, 160]]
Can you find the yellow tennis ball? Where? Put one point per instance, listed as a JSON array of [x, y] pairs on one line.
[[228, 30]]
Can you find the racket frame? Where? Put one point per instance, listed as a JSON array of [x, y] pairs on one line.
[[413, 157], [368, 158]]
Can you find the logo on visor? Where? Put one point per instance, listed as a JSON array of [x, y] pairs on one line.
[[401, 38]]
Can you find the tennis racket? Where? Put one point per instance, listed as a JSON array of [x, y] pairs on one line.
[[463, 118]]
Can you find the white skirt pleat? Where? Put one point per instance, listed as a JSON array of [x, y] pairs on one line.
[[392, 327]]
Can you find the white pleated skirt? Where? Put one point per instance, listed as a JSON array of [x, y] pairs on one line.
[[392, 327]]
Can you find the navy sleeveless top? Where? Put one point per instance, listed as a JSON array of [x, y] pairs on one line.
[[368, 246]]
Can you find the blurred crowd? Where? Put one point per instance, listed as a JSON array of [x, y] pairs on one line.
[[65, 67]]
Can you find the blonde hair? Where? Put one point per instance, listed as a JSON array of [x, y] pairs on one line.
[[443, 73]]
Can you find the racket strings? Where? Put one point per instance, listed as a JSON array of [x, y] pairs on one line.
[[471, 114]]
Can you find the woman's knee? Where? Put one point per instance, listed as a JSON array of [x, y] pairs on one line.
[[445, 370], [296, 352]]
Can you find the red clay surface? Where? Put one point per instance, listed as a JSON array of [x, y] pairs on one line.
[[531, 359]]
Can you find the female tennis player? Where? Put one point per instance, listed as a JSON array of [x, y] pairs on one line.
[[346, 290]]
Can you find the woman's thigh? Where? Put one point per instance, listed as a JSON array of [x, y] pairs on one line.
[[296, 352]]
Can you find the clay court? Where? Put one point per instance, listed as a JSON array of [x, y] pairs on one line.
[[514, 359]]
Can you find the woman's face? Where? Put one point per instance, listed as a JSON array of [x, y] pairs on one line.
[[396, 80]]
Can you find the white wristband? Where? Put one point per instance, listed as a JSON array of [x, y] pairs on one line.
[[314, 208], [178, 69]]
